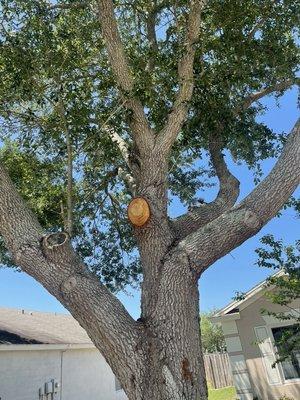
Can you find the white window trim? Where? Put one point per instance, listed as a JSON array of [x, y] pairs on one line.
[[280, 369]]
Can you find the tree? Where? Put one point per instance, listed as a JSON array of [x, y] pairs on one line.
[[212, 337], [105, 101]]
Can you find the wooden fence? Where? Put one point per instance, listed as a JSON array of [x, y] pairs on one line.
[[218, 370]]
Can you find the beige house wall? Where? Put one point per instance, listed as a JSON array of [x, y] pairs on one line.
[[81, 374], [258, 365]]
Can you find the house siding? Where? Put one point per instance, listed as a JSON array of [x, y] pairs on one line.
[[81, 373], [258, 359]]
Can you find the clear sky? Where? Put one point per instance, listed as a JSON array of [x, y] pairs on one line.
[[234, 272]]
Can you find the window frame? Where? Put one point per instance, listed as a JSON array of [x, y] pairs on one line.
[[281, 369]]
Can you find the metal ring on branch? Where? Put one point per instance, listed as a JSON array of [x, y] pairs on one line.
[[138, 211]]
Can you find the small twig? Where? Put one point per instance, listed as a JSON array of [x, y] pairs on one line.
[[62, 213], [256, 27], [113, 203]]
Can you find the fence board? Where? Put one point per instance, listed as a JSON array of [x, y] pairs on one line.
[[218, 370]]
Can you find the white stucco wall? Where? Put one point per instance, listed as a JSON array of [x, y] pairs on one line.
[[81, 373]]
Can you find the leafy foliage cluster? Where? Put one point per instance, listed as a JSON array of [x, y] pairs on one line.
[[57, 83], [212, 337]]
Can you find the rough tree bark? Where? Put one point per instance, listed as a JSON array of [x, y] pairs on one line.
[[159, 356]]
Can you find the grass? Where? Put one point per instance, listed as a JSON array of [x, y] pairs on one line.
[[227, 393]]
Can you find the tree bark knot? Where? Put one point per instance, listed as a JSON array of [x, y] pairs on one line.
[[54, 240], [69, 285], [185, 370], [252, 220]]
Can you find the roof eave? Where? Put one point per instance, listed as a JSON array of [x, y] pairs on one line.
[[252, 295], [48, 347], [227, 317]]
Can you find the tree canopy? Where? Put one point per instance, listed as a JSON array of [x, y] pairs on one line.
[[65, 130]]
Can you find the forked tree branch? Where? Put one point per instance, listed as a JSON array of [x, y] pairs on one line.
[[176, 118], [51, 260], [226, 198], [141, 130], [216, 239], [229, 185]]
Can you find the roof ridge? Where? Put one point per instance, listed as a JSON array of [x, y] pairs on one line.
[[253, 290]]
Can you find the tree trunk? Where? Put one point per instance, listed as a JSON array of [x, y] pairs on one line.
[[173, 367]]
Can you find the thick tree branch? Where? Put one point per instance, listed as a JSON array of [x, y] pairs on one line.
[[51, 260], [151, 35], [122, 145], [126, 176], [176, 118], [69, 183], [278, 87], [140, 127], [128, 180], [115, 137], [232, 228], [69, 145], [226, 198]]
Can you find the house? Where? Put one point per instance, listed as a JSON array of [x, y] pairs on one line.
[[46, 356], [250, 337]]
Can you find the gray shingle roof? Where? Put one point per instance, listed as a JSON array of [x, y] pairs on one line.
[[42, 327]]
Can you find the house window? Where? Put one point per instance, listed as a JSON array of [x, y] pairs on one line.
[[284, 337]]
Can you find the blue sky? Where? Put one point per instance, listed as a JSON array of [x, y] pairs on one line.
[[234, 272]]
